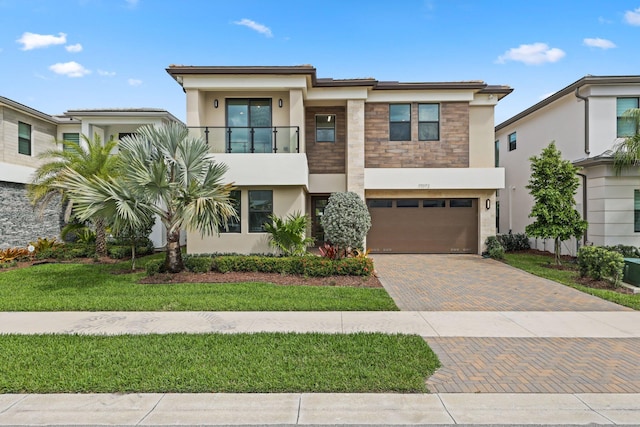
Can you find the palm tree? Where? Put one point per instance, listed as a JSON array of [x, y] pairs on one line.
[[627, 152], [164, 172], [91, 159]]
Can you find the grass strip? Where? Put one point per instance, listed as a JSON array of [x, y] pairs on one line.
[[537, 264], [237, 363], [90, 287]]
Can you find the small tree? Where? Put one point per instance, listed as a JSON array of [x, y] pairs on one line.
[[346, 220], [553, 184], [288, 235]]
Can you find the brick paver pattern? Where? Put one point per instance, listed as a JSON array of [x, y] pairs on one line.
[[536, 365], [473, 283]]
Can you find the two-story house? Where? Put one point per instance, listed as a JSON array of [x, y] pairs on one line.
[[420, 154], [585, 121], [25, 133]]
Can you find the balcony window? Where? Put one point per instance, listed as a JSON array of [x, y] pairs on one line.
[[325, 128], [249, 126], [400, 122], [260, 209], [428, 122], [626, 126]]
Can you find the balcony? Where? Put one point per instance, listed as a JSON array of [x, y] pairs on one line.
[[226, 139]]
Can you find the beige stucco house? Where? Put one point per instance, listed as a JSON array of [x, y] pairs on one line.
[[25, 133], [584, 120], [420, 154]]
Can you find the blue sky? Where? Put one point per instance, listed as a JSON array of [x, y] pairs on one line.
[[57, 55]]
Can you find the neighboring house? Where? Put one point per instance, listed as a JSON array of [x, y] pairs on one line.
[[25, 133], [584, 120], [420, 154]]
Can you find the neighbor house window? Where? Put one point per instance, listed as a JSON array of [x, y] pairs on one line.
[[260, 209], [626, 126], [70, 137], [233, 225], [400, 122], [24, 138], [512, 141], [325, 128], [636, 211], [496, 151], [428, 122]]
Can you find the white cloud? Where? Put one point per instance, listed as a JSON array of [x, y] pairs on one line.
[[632, 17], [262, 29], [69, 69], [132, 3], [106, 73], [546, 95], [34, 41], [134, 82], [600, 43], [74, 48], [604, 20], [532, 54]]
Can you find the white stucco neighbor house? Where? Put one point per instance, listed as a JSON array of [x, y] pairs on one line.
[[584, 120], [26, 132], [420, 154]]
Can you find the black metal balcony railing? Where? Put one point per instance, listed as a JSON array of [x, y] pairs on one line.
[[257, 139]]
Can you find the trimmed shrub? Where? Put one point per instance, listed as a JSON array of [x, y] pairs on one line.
[[198, 264], [155, 266], [514, 242], [624, 250], [600, 263], [307, 265], [494, 248], [346, 220]]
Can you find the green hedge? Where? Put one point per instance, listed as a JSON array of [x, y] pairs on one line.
[[600, 263], [307, 265]]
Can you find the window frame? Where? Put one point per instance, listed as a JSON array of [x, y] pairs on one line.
[[620, 119], [23, 140], [513, 144], [253, 213], [437, 122], [333, 128], [395, 123], [234, 225]]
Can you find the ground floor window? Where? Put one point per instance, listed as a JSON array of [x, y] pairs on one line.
[[636, 211], [233, 225], [260, 209], [70, 137]]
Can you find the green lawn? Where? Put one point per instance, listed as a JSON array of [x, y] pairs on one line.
[[242, 363], [92, 287], [536, 264]]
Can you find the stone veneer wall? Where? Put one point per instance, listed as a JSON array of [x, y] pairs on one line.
[[325, 157], [19, 223], [451, 151]]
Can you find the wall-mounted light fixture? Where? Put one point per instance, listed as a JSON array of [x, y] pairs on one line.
[[487, 204], [215, 103], [280, 102]]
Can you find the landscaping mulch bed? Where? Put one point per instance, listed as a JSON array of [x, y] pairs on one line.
[[275, 278]]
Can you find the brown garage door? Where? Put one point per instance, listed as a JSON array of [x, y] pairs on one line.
[[436, 226]]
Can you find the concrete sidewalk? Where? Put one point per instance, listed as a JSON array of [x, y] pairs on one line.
[[582, 324], [315, 409]]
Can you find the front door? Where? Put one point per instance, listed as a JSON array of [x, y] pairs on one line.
[[318, 203]]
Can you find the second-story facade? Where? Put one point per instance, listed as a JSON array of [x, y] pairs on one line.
[[585, 120], [420, 154]]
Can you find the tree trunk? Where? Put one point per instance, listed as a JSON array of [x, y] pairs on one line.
[[557, 250], [101, 237], [133, 255], [173, 260]]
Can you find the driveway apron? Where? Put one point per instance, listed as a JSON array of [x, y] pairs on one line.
[[459, 283]]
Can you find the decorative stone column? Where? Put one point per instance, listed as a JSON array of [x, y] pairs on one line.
[[355, 146]]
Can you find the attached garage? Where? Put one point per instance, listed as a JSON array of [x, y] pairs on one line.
[[436, 226]]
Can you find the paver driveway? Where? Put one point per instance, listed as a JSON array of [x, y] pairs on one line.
[[518, 364], [473, 283]]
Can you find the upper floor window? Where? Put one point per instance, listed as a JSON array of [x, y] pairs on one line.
[[70, 137], [249, 126], [260, 209], [625, 126], [24, 138], [496, 150], [233, 225], [512, 141], [428, 122], [400, 122], [325, 128]]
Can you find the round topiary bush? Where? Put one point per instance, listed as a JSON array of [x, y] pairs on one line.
[[346, 220]]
